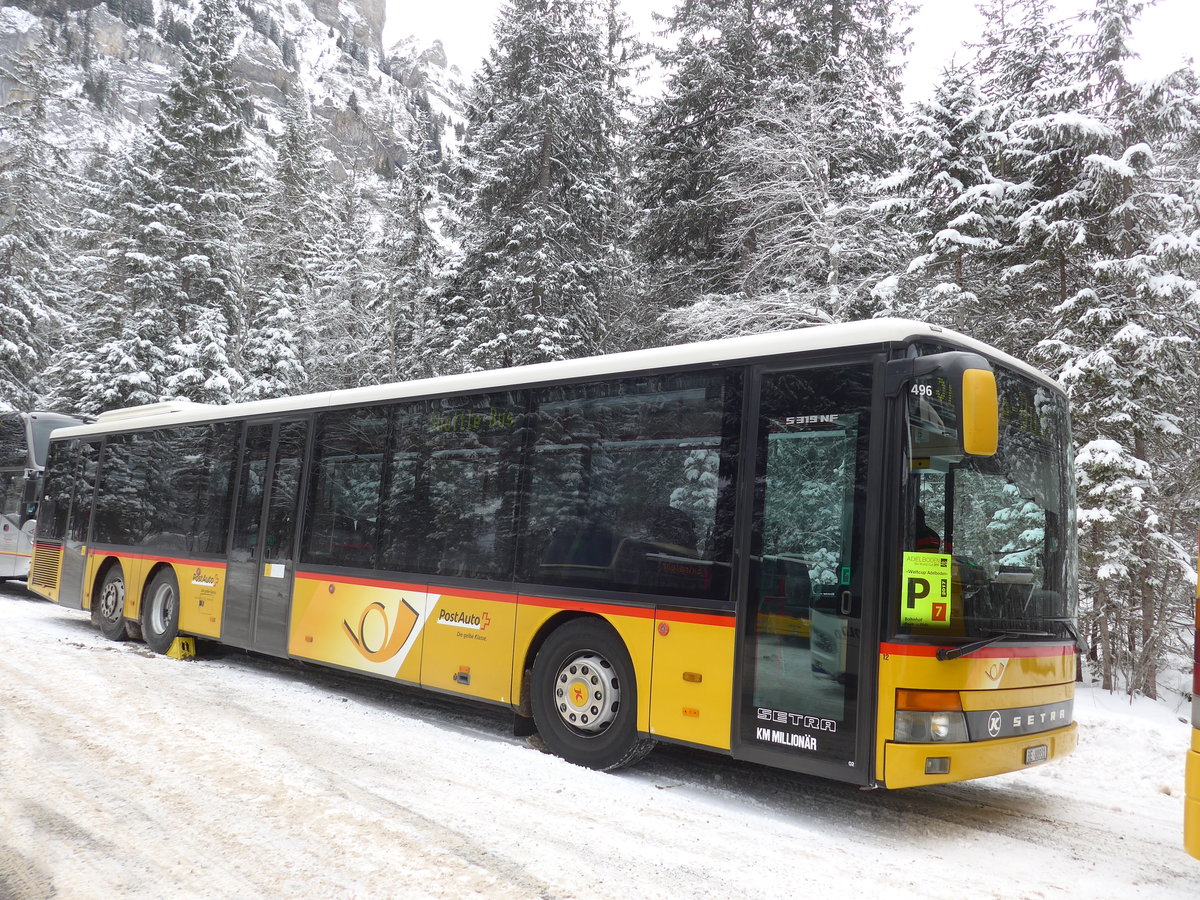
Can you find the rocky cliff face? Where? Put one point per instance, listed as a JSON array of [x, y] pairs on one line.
[[97, 68], [361, 20]]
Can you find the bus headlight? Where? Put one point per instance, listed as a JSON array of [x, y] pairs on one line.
[[924, 717], [920, 727]]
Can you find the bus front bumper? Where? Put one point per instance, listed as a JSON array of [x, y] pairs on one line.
[[912, 765]]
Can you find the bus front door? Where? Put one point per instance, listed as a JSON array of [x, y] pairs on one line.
[[262, 547], [801, 631]]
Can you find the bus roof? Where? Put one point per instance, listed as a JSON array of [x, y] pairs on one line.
[[724, 350]]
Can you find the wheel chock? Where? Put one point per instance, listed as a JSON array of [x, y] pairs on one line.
[[182, 648]]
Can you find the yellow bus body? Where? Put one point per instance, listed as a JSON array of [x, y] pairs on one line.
[[481, 644]]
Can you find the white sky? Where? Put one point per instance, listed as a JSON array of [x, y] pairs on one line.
[[1166, 35]]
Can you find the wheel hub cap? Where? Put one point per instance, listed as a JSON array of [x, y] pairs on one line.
[[112, 600], [587, 694]]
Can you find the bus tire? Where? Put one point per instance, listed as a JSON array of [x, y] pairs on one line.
[[160, 611], [584, 697], [108, 605]]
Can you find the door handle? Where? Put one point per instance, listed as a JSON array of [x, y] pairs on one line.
[[847, 603]]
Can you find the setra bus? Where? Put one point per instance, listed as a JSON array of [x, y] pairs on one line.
[[23, 439], [1191, 807], [847, 550]]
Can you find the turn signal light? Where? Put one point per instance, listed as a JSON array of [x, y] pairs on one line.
[[929, 701]]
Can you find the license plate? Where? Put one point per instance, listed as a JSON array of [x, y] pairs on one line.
[[1037, 754]]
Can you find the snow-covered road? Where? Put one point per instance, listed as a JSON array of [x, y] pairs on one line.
[[125, 774]]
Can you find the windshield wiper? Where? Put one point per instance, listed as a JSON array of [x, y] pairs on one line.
[[945, 654]]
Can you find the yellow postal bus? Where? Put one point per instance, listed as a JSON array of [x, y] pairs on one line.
[[846, 550]]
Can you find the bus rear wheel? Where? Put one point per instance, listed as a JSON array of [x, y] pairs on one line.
[[108, 606], [160, 611], [584, 697]]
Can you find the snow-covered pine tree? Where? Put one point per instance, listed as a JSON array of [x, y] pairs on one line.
[[945, 191], [629, 322], [126, 325], [1036, 135], [285, 229], [719, 57], [1124, 342], [161, 314], [201, 149], [409, 263], [541, 172], [794, 166], [30, 261], [342, 320]]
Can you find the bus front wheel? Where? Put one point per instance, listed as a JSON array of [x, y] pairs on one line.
[[160, 611], [108, 606], [585, 697]]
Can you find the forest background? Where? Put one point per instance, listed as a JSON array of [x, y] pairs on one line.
[[1042, 199]]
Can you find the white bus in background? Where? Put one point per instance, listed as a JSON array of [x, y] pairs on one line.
[[23, 440]]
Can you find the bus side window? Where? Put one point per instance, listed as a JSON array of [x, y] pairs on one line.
[[630, 485], [472, 475], [347, 482]]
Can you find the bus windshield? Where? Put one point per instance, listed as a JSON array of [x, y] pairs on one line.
[[988, 539], [14, 442]]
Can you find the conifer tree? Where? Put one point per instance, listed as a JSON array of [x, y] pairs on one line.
[[286, 227], [1118, 342], [541, 172], [30, 259], [342, 321], [946, 197], [169, 299], [759, 164], [409, 262], [1036, 136]]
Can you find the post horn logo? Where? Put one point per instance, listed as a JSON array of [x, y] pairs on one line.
[[394, 636]]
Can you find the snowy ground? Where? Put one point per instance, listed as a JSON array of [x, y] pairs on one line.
[[124, 774]]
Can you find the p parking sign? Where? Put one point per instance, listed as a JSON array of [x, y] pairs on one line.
[[926, 584]]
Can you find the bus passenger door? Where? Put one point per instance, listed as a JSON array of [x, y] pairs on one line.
[[800, 631], [262, 547]]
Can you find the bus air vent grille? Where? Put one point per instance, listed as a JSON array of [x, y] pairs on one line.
[[43, 572]]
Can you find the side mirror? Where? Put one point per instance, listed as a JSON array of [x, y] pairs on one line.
[[968, 386]]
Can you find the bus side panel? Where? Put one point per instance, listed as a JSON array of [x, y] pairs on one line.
[[1024, 678], [16, 549], [356, 623], [691, 695], [201, 596], [469, 643], [634, 625]]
